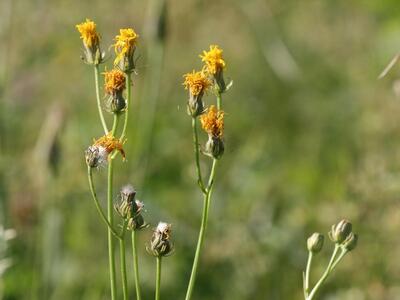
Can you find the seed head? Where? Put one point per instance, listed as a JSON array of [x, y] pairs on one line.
[[96, 156], [160, 243]]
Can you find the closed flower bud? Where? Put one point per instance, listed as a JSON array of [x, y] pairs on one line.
[[351, 241], [96, 156], [340, 232], [160, 244], [315, 242]]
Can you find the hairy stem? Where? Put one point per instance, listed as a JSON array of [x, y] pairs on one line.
[[96, 79], [135, 265]]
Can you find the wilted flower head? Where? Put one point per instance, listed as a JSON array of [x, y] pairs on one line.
[[213, 122], [160, 243], [110, 143], [114, 85], [96, 156], [128, 193], [213, 60], [91, 41], [114, 81], [125, 46], [196, 82]]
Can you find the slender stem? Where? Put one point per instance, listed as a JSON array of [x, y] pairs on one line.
[[196, 153], [128, 100], [135, 265], [110, 216], [123, 267], [158, 278], [203, 227], [96, 79], [206, 206], [342, 254], [308, 270], [326, 273], [111, 244], [219, 101], [96, 202]]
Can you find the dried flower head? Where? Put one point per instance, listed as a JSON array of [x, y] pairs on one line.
[[196, 82], [125, 45], [114, 81], [160, 242], [88, 33], [213, 122], [213, 60], [110, 143], [96, 156]]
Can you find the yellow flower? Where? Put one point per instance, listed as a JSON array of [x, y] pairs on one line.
[[88, 33], [110, 143], [196, 82], [213, 60], [114, 81], [125, 44], [213, 122]]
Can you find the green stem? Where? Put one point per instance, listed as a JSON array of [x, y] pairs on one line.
[[96, 79], [123, 267], [158, 278], [203, 227], [196, 152], [128, 100], [111, 244], [307, 277], [219, 101], [96, 202], [326, 273], [342, 254], [110, 216], [135, 265]]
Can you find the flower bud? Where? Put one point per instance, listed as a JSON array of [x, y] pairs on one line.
[[96, 156], [340, 232], [214, 147], [351, 241], [315, 242], [160, 244]]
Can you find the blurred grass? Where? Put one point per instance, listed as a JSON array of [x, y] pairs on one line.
[[311, 137]]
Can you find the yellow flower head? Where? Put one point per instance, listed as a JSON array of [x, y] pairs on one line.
[[213, 121], [114, 81], [196, 82], [213, 60], [110, 143], [88, 33], [125, 44]]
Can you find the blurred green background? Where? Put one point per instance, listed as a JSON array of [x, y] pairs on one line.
[[311, 137]]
